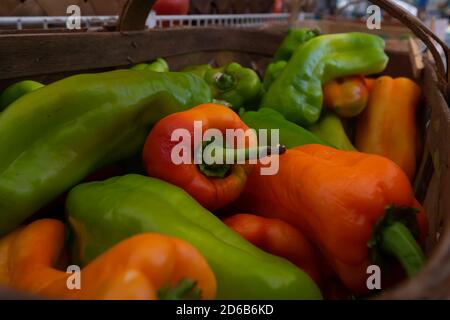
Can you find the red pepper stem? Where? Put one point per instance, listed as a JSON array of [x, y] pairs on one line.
[[398, 241]]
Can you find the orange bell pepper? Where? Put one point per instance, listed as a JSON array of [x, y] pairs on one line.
[[346, 96], [215, 185], [388, 125], [147, 266], [278, 238], [343, 202]]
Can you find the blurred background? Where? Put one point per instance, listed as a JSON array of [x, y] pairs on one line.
[[51, 14]]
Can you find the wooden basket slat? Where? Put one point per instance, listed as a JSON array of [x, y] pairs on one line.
[[59, 7], [51, 53], [431, 203]]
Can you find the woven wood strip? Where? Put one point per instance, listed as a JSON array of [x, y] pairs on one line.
[[59, 7]]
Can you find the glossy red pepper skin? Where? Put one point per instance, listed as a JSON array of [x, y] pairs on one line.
[[212, 193], [279, 238]]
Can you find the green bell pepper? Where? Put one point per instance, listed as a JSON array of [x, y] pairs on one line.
[[102, 214], [16, 90], [291, 135], [331, 129], [297, 92], [231, 83], [52, 138], [294, 38], [234, 84], [159, 65]]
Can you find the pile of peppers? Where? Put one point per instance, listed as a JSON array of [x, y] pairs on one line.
[[88, 178]]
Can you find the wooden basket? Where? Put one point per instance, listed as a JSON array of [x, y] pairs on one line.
[[48, 57]]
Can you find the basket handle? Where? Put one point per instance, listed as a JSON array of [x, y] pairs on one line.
[[427, 36], [134, 15]]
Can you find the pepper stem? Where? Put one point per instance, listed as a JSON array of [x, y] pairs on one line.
[[186, 289], [225, 81], [247, 153], [398, 241], [395, 236], [227, 157]]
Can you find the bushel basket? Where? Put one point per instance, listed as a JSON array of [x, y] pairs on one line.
[[48, 57]]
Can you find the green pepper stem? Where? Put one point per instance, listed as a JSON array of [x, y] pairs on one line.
[[250, 153], [186, 289], [398, 241], [220, 170], [225, 81]]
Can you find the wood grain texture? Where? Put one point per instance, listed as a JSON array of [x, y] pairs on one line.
[[52, 53], [59, 7]]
